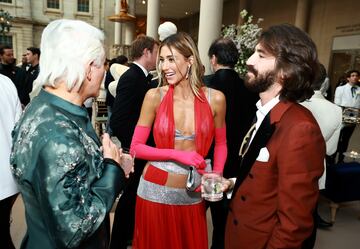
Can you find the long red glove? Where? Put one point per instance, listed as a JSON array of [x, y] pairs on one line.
[[220, 149], [143, 151]]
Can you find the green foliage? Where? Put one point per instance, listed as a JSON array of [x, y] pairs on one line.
[[245, 38]]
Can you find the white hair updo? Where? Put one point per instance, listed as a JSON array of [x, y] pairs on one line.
[[67, 48]]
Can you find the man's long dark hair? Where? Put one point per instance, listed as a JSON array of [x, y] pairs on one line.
[[297, 65]]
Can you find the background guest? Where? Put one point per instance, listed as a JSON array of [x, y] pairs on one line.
[[9, 113], [109, 100], [32, 58], [130, 92], [14, 73], [329, 117], [240, 111], [346, 96]]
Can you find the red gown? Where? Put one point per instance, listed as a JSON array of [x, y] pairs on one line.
[[178, 225]]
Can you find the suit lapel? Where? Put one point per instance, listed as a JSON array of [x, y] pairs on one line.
[[260, 140]]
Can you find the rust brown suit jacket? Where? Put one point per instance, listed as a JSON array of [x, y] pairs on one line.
[[273, 201]]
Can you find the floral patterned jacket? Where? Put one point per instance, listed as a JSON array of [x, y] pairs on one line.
[[66, 185]]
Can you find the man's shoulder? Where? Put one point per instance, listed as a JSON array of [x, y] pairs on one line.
[[227, 74], [341, 87], [19, 72], [133, 73], [5, 79], [7, 87], [329, 105], [319, 100], [291, 112], [226, 79], [295, 118], [323, 108]]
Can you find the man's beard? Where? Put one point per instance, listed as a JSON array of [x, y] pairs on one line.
[[259, 82]]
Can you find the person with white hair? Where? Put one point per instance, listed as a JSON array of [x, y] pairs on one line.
[[68, 184]]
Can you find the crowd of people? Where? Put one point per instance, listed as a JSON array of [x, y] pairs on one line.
[[268, 135]]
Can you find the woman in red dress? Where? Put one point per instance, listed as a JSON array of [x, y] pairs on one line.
[[185, 116]]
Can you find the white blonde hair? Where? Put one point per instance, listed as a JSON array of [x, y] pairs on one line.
[[67, 47]]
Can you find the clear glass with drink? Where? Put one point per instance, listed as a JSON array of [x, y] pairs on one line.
[[211, 186]]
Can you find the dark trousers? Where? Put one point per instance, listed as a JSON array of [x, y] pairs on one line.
[[5, 212], [345, 135], [124, 219], [219, 211]]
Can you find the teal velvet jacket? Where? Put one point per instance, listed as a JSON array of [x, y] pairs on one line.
[[67, 186]]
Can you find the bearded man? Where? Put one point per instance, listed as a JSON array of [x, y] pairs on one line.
[[276, 189]]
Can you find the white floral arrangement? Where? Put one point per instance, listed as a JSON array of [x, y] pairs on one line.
[[245, 38]]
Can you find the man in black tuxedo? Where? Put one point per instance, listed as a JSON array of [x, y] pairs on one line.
[[130, 92], [32, 58], [240, 111], [9, 69]]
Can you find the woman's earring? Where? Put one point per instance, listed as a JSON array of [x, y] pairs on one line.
[[188, 72]]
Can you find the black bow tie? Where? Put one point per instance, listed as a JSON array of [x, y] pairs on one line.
[[149, 77]]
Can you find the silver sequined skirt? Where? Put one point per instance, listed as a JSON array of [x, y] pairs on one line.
[[167, 195]]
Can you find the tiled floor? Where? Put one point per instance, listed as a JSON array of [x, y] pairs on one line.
[[345, 234]]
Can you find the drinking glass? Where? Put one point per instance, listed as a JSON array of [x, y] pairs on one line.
[[211, 186]]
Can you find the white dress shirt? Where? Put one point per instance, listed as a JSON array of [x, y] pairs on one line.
[[261, 113], [345, 98], [10, 112]]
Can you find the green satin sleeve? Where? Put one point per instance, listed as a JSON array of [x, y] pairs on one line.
[[75, 189]]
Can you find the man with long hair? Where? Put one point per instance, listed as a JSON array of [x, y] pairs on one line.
[[276, 188]]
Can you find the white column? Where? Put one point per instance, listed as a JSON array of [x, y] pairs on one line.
[[129, 32], [153, 18], [130, 26], [302, 11], [209, 28], [117, 33], [131, 6]]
